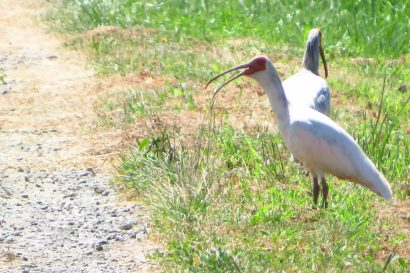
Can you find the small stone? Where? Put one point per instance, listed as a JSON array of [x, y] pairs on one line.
[[127, 226], [84, 173], [24, 196], [91, 171], [26, 178], [98, 190], [111, 237], [25, 259], [69, 195], [99, 247], [71, 223], [20, 169], [5, 90], [119, 238]]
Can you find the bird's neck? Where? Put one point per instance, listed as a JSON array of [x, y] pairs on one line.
[[311, 59], [277, 98]]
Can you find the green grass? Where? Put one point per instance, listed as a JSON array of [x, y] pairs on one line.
[[234, 202], [125, 107], [351, 27], [2, 76], [123, 52], [231, 200]]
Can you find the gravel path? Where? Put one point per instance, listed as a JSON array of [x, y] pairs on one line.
[[58, 209]]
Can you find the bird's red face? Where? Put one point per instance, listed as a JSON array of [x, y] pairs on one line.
[[255, 65]]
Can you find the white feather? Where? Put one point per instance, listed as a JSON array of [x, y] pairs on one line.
[[325, 147], [305, 89], [318, 142]]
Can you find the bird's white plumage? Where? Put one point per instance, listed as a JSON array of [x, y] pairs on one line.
[[314, 139], [305, 89], [325, 147], [318, 142]]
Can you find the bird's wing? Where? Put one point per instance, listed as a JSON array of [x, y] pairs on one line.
[[324, 147], [308, 90], [322, 100]]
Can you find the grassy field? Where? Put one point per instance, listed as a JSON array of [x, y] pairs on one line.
[[224, 193]]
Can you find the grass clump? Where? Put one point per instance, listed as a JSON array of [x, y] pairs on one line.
[[117, 51], [125, 107], [229, 199], [233, 202], [374, 27], [2, 76]]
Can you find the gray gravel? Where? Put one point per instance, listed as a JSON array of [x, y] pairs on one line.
[[59, 211], [66, 221]]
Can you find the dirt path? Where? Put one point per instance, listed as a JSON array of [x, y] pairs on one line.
[[58, 210]]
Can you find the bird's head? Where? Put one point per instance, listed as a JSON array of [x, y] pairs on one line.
[[313, 49], [258, 68]]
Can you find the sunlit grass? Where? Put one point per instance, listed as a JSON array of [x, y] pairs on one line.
[[235, 202], [231, 200], [351, 27]]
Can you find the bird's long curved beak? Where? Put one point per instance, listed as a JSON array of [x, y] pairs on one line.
[[242, 66], [322, 55]]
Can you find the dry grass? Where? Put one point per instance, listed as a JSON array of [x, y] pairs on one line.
[[242, 106]]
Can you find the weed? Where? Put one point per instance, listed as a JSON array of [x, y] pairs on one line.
[[239, 205], [231, 200], [2, 76], [374, 27]]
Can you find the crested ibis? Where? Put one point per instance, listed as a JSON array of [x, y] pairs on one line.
[[320, 144], [316, 94]]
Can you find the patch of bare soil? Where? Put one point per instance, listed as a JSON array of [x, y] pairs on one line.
[[398, 216], [59, 211]]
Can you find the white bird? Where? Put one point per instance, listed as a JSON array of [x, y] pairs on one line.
[[319, 143], [307, 88]]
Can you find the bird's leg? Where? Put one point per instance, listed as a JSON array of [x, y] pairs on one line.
[[325, 191], [316, 190]]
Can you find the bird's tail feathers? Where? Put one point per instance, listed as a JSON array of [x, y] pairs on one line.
[[375, 181]]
